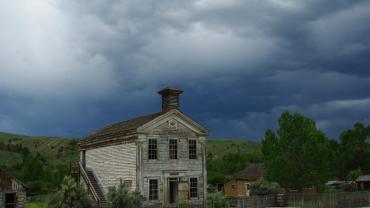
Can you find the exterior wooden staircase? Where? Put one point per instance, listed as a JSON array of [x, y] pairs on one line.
[[93, 187], [97, 188]]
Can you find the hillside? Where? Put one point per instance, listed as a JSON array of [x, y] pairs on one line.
[[54, 149], [64, 150], [220, 148]]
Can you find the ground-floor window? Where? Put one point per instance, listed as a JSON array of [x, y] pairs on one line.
[[153, 189], [193, 187]]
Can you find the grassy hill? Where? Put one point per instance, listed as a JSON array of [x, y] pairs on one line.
[[54, 149], [64, 150], [220, 148]]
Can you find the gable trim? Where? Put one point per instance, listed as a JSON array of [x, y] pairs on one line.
[[180, 117]]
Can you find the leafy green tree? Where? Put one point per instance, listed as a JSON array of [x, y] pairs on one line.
[[70, 195], [354, 150], [354, 174], [121, 197], [299, 154], [216, 200]]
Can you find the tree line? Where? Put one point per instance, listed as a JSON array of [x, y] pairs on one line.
[[35, 170], [300, 155]]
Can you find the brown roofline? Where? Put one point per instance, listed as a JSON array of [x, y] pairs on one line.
[[13, 177]]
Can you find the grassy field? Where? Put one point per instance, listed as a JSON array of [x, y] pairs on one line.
[[37, 205]]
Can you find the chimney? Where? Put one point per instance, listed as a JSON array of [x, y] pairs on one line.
[[170, 98]]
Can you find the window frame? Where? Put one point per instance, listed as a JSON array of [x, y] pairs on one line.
[[192, 187], [173, 155], [153, 189], [192, 143], [153, 149]]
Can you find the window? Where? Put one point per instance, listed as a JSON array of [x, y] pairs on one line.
[[152, 149], [127, 184], [192, 149], [153, 189], [172, 149], [193, 187]]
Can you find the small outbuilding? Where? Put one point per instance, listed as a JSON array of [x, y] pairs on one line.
[[240, 185], [12, 191], [363, 182]]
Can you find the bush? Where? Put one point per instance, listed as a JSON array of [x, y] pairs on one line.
[[263, 187], [217, 200], [70, 194], [120, 197]]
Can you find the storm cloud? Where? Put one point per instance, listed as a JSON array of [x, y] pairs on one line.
[[68, 67]]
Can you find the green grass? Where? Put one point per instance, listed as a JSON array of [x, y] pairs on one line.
[[219, 148], [37, 205]]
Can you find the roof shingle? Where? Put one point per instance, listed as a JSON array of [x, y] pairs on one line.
[[252, 172], [123, 128]]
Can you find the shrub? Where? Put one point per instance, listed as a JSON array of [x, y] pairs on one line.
[[217, 200], [263, 187], [121, 197], [69, 195]]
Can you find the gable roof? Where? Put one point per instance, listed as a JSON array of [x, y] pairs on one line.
[[252, 172], [129, 127], [6, 176], [121, 128]]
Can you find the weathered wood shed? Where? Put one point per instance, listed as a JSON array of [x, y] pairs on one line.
[[240, 185], [160, 155], [12, 191]]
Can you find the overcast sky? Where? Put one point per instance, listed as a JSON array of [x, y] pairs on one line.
[[68, 67]]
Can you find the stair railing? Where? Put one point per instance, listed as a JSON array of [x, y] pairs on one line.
[[89, 184]]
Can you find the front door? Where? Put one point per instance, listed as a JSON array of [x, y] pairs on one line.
[[173, 189]]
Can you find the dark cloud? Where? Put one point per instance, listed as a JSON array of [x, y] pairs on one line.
[[68, 67]]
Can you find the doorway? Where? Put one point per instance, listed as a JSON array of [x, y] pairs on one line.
[[173, 189], [10, 200], [247, 189]]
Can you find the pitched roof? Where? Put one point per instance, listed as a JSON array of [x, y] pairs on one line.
[[122, 128], [252, 172], [4, 174]]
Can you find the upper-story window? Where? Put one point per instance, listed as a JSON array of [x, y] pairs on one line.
[[152, 149], [172, 149], [192, 149]]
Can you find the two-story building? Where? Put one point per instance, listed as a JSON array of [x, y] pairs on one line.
[[160, 155]]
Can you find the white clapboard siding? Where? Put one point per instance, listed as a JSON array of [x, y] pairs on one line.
[[112, 163]]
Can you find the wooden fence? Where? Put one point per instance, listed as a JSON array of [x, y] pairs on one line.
[[253, 201], [325, 200], [329, 200], [177, 206]]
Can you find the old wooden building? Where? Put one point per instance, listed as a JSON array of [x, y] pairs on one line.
[[161, 155], [240, 185], [12, 191]]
